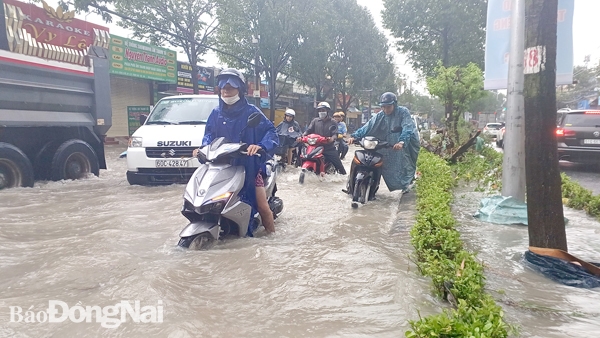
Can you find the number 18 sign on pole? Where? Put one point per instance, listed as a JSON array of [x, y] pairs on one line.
[[498, 45]]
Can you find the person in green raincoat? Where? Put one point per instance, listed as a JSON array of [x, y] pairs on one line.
[[400, 161]]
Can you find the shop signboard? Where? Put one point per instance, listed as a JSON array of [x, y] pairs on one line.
[[206, 79], [56, 27], [141, 60], [133, 116]]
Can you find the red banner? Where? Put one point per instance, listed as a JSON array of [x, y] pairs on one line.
[[55, 26]]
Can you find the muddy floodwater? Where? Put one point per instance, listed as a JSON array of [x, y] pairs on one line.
[[329, 271], [537, 306]]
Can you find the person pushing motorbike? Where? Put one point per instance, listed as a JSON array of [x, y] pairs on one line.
[[229, 120], [400, 163], [321, 126]]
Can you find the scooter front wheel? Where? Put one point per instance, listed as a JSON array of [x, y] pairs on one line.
[[196, 242]]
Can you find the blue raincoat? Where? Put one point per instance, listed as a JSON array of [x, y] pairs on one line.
[[229, 123], [399, 166]]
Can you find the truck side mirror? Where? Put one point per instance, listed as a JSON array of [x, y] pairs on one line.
[[143, 119]]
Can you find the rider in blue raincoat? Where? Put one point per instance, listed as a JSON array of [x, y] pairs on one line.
[[228, 120], [399, 162]]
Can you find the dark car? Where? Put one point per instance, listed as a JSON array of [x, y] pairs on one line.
[[578, 135]]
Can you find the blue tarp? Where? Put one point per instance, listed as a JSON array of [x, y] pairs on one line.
[[502, 210], [562, 271]]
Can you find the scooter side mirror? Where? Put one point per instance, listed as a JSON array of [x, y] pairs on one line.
[[253, 120], [333, 128]]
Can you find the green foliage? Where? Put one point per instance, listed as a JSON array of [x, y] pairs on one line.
[[489, 102], [441, 256], [483, 168], [344, 56], [422, 104], [429, 31], [577, 197], [585, 82], [456, 87]]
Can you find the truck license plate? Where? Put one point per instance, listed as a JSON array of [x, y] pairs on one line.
[[591, 141], [171, 163]]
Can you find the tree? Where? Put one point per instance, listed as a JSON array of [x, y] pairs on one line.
[[432, 30], [489, 102], [585, 84], [275, 25], [456, 88], [191, 22], [342, 56], [544, 196]]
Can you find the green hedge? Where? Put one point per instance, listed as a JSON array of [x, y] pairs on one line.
[[577, 197], [441, 256]]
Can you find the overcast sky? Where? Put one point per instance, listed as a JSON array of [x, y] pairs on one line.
[[585, 38]]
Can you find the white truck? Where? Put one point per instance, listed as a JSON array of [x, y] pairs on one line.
[[160, 150]]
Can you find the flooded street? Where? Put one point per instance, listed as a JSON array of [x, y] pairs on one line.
[[328, 271], [537, 306]]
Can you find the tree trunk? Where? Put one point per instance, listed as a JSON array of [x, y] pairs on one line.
[[544, 200], [194, 63]]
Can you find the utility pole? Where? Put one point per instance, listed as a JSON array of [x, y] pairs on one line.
[[513, 165], [256, 93], [544, 196]]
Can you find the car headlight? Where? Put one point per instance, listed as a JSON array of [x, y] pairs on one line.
[[135, 141], [370, 144], [312, 141]]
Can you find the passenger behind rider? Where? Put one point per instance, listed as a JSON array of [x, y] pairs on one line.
[[342, 130], [321, 126], [228, 120], [288, 127]]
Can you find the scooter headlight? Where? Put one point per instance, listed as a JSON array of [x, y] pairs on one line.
[[370, 144], [216, 204], [312, 141]]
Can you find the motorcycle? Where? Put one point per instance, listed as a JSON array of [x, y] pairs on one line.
[[287, 139], [365, 173], [312, 157], [211, 199]]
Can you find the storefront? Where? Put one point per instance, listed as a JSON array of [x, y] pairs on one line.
[[136, 69], [184, 85]]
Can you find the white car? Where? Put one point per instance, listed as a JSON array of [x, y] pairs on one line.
[[493, 129], [160, 151]]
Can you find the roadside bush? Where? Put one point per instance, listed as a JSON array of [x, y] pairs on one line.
[[440, 255]]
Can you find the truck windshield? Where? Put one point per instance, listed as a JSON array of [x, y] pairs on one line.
[[182, 111]]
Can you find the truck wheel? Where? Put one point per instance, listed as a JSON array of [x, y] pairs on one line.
[[74, 159], [42, 163], [15, 168]]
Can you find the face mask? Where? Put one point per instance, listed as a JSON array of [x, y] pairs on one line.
[[322, 114], [230, 100]]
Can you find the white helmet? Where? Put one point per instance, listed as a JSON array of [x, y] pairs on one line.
[[324, 105], [290, 112]]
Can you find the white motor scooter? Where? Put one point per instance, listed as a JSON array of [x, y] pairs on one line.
[[211, 200]]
